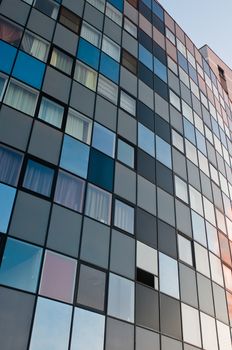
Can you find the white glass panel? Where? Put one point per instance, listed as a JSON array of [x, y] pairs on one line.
[[195, 200], [130, 27], [191, 325], [168, 275], [78, 126], [90, 34], [98, 204], [113, 14], [111, 48], [223, 336], [127, 103], [181, 189], [209, 334], [185, 250], [147, 258], [124, 216], [107, 89], [202, 260]]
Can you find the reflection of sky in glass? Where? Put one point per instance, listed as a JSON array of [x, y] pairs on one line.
[[103, 139], [7, 195], [20, 265], [168, 272], [51, 326], [88, 331]]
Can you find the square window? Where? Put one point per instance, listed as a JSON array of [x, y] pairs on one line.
[[38, 178], [107, 89], [147, 258], [75, 156], [10, 165], [181, 189], [7, 196], [111, 48], [78, 126], [163, 152], [51, 112], [185, 250], [128, 103], [35, 46], [124, 216], [10, 32], [21, 97], [61, 61], [48, 7], [103, 140], [69, 20], [125, 153], [20, 265], [91, 289], [98, 204], [146, 139], [69, 191], [90, 34], [121, 298], [58, 277], [85, 76]]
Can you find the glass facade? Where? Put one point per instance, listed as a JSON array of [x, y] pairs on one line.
[[115, 181]]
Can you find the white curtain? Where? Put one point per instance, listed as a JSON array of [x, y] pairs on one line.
[[110, 48], [78, 126], [38, 178], [51, 112], [35, 47], [113, 14], [108, 89], [20, 98], [98, 204], [69, 191], [10, 164], [124, 217], [127, 102], [85, 76], [91, 35], [61, 61]]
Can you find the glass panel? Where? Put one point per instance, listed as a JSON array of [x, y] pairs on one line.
[[9, 32], [168, 275], [20, 265], [91, 289], [130, 27], [69, 19], [128, 103], [90, 34], [198, 228], [99, 4], [98, 204], [88, 330], [196, 200], [121, 298], [7, 196], [174, 100], [124, 216], [21, 97], [126, 153], [51, 326], [212, 238], [209, 333], [107, 89], [191, 325], [103, 139], [51, 112], [61, 61], [163, 152], [113, 14], [160, 70], [181, 189], [49, 7], [3, 81], [111, 48], [147, 258], [38, 178], [35, 46], [146, 139], [69, 191], [185, 250], [78, 126], [58, 277], [10, 165], [85, 76]]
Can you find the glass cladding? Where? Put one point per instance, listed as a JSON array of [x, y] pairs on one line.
[[115, 181]]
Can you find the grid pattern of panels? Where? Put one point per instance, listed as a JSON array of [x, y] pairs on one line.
[[115, 181]]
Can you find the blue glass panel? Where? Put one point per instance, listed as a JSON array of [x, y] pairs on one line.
[[7, 56], [10, 165], [103, 139], [193, 74], [215, 127], [189, 131], [126, 153], [101, 170], [117, 3], [201, 142], [7, 196], [158, 10], [146, 139], [163, 152], [148, 3], [109, 67], [75, 156], [182, 62], [88, 53], [160, 69], [145, 57], [20, 265], [38, 178], [51, 325], [32, 74]]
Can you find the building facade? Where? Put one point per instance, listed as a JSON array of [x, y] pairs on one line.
[[115, 181]]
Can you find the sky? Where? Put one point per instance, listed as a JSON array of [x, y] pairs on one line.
[[206, 22]]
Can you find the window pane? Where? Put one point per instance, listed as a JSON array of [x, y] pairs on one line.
[[38, 178], [87, 323], [51, 326], [168, 275], [10, 32], [69, 191], [181, 189], [185, 250], [163, 152], [85, 76], [129, 62], [113, 14], [21, 97], [98, 204], [198, 228], [49, 7], [61, 61], [174, 100], [125, 153], [78, 126], [128, 103], [121, 298], [130, 27], [7, 196], [124, 216], [107, 89], [111, 48], [20, 265], [69, 19], [58, 277], [75, 156], [10, 165], [147, 258], [160, 70], [99, 4], [51, 112], [103, 139], [91, 289], [191, 325], [146, 139], [35, 46], [90, 34]]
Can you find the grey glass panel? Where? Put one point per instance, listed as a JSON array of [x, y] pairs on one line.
[[88, 330], [126, 153], [188, 288], [91, 290], [146, 340], [168, 343], [119, 335], [51, 325], [170, 316], [205, 294], [147, 308]]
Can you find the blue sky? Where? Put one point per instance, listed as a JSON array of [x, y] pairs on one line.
[[206, 22]]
